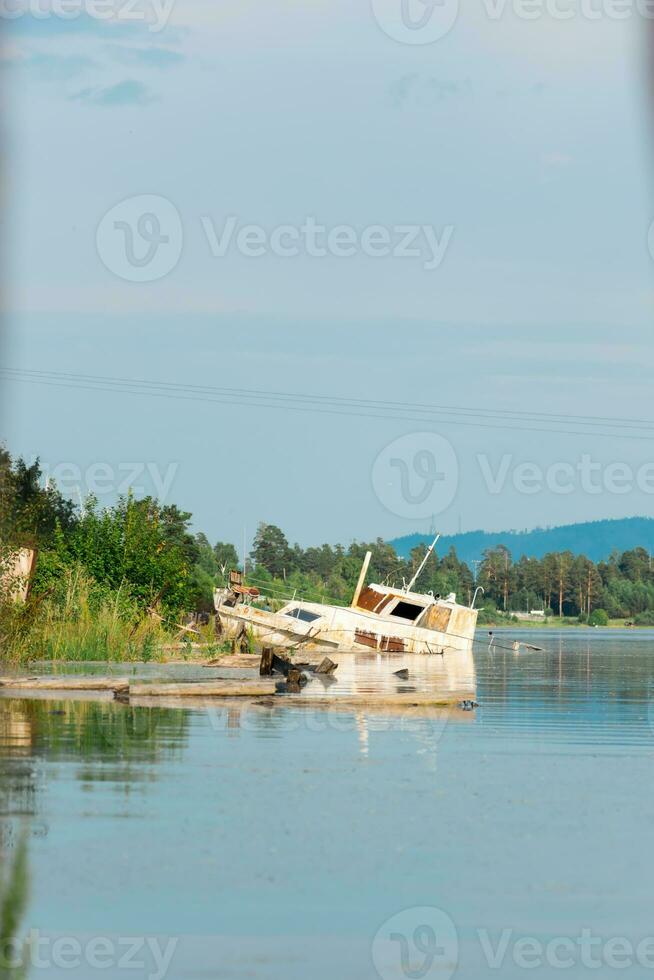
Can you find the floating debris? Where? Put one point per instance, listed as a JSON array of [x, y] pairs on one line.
[[468, 705], [55, 683]]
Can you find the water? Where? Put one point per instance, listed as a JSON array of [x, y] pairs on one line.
[[275, 842]]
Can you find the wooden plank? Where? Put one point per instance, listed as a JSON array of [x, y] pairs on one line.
[[365, 701], [234, 660], [64, 683], [205, 689]]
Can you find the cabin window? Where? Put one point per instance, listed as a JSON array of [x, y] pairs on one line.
[[406, 610], [303, 614]]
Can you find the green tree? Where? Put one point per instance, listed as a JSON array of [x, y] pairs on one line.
[[226, 556], [271, 550]]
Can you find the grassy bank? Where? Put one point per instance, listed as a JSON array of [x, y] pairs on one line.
[[80, 621]]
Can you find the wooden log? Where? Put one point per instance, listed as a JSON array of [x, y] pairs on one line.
[[326, 666], [368, 701], [283, 665], [266, 665], [236, 660], [295, 681], [64, 683], [204, 689]]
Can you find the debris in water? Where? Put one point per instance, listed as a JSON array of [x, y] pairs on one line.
[[403, 674], [468, 705]]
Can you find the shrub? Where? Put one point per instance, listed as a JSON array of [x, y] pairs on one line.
[[599, 617]]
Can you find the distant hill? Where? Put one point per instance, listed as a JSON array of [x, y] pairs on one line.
[[595, 539]]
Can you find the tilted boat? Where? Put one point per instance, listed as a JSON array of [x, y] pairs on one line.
[[380, 617]]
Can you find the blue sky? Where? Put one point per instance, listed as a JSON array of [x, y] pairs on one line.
[[528, 140]]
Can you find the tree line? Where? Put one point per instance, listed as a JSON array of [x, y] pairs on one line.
[[147, 553], [559, 583]]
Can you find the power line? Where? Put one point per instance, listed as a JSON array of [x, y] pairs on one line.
[[335, 405], [511, 415]]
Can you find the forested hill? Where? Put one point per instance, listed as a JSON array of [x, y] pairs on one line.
[[595, 539]]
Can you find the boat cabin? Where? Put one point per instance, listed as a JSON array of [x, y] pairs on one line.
[[412, 608]]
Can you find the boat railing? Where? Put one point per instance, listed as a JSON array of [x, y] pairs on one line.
[[283, 596]]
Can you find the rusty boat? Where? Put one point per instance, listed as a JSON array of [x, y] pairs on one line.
[[381, 618]]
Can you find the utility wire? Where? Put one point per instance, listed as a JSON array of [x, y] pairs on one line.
[[334, 405]]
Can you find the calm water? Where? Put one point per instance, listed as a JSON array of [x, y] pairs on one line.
[[291, 843]]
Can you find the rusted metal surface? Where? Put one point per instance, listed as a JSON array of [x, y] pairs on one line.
[[391, 644], [246, 590], [366, 639], [438, 618], [373, 601]]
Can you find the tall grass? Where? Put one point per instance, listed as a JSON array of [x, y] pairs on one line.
[[79, 620]]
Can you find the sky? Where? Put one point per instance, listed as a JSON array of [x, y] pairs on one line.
[[367, 210]]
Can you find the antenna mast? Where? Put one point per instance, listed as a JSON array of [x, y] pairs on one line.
[[422, 564]]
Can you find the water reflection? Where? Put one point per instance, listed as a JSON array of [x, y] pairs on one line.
[[106, 742], [274, 841], [14, 895], [374, 673], [90, 731]]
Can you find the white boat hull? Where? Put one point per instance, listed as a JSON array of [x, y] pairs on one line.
[[339, 630]]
